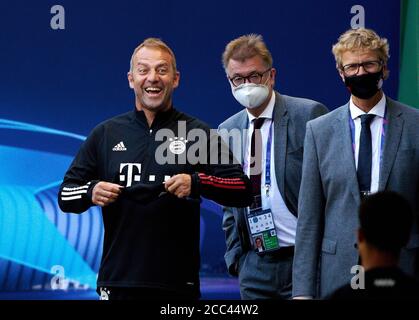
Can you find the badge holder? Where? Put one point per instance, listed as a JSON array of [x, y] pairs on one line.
[[261, 228]]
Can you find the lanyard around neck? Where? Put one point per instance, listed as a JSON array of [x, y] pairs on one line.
[[268, 158]]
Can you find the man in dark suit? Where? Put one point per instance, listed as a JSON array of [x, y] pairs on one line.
[[369, 144], [269, 145], [385, 223]]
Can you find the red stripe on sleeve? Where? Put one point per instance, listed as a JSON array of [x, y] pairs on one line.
[[223, 186]]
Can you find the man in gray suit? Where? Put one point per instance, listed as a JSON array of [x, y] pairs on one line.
[[260, 239], [369, 144]]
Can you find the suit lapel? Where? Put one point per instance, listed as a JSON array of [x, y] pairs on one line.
[[391, 143], [347, 163], [243, 126], [280, 116]]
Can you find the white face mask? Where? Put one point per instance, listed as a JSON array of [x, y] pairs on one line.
[[250, 95]]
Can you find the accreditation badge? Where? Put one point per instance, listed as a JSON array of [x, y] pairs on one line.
[[262, 230]]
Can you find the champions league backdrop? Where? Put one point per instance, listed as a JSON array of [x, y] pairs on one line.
[[63, 70]]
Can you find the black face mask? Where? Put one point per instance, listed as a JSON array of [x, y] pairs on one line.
[[364, 86]]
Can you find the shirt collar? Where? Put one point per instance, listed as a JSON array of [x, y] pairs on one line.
[[378, 109], [161, 118], [267, 113]]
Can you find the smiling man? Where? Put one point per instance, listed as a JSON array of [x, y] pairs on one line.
[[150, 210], [369, 144], [153, 77]]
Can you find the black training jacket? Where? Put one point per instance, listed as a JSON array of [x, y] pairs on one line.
[[152, 237]]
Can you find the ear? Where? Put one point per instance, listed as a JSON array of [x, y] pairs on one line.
[[342, 76], [176, 80], [130, 80], [272, 76], [385, 72]]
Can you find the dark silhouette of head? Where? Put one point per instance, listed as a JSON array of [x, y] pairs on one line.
[[385, 221]]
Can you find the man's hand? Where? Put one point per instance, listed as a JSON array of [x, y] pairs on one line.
[[105, 193], [179, 185]]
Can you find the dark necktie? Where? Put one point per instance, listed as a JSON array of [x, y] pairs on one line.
[[256, 159], [365, 154]]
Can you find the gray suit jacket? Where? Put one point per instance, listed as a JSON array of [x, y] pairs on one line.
[[290, 117], [329, 196]]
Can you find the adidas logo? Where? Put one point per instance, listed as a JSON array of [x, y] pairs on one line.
[[119, 147]]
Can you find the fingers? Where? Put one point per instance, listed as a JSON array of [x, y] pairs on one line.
[[179, 185], [111, 187], [101, 200], [172, 184], [105, 193]]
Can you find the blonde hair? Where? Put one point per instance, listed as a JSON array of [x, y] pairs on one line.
[[246, 47], [361, 39], [155, 43]]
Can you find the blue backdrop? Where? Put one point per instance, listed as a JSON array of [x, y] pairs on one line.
[[56, 85]]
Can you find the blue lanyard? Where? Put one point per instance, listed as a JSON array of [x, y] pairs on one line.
[[352, 126], [268, 158]]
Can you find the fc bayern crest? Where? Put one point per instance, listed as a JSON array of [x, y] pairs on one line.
[[177, 145]]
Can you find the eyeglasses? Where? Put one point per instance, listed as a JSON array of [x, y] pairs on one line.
[[254, 77], [369, 67]]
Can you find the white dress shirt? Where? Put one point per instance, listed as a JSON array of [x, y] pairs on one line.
[[376, 127], [285, 222]]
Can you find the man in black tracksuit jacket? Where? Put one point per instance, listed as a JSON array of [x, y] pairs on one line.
[[150, 207]]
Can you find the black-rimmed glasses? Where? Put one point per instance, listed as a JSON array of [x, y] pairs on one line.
[[352, 69], [254, 77]]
